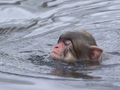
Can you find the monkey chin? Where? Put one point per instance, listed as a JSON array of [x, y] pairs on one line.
[[56, 57]]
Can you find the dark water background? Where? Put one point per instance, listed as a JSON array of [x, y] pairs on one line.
[[30, 28]]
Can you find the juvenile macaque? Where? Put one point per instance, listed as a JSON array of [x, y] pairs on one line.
[[76, 46]]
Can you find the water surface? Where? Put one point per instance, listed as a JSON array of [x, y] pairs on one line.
[[30, 28]]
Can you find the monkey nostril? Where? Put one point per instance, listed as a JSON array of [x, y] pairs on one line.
[[56, 47]]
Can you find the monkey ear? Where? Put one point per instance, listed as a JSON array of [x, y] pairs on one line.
[[95, 52]]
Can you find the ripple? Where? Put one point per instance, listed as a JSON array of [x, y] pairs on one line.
[[9, 2]]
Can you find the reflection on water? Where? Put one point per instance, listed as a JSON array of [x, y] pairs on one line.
[[30, 28], [72, 74]]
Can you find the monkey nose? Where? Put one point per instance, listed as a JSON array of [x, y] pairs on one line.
[[59, 45], [56, 46]]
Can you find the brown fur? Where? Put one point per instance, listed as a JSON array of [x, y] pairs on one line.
[[83, 47]]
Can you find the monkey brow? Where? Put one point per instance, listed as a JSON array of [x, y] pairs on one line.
[[64, 39]]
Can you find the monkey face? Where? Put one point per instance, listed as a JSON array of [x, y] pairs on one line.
[[62, 52]]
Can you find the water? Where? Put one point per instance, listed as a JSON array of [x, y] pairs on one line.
[[30, 28]]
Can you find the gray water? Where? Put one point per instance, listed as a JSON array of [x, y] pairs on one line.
[[30, 28]]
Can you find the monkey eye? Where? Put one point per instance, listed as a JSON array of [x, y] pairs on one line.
[[67, 42]]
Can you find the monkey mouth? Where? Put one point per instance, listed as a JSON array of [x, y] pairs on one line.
[[56, 53], [55, 56]]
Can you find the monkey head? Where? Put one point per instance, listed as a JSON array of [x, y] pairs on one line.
[[75, 46]]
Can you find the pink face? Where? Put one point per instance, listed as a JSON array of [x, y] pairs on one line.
[[57, 52]]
